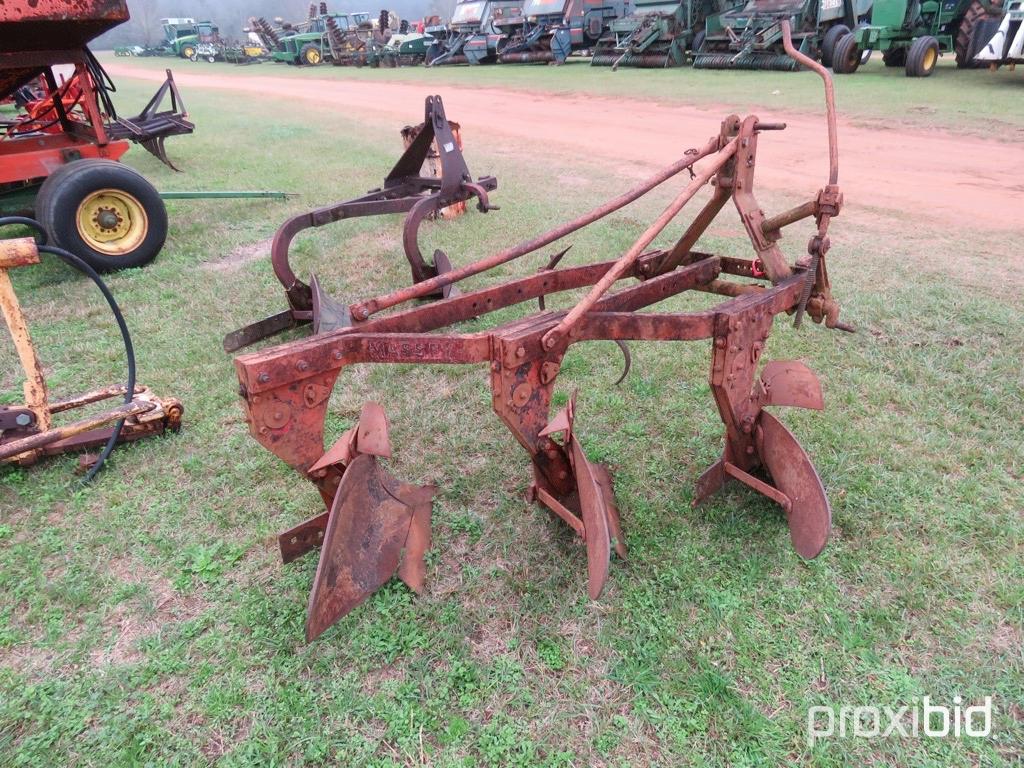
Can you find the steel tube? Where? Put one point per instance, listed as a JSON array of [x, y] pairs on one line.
[[625, 263], [793, 215], [830, 99], [15, 448], [363, 309]]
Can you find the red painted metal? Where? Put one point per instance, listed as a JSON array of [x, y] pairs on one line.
[[286, 389]]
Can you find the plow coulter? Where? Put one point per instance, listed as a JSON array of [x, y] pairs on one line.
[[374, 526]]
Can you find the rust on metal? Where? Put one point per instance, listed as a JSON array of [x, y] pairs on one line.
[[374, 527], [27, 431], [406, 191]]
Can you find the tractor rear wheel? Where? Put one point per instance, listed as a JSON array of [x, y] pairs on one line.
[[895, 57], [963, 46], [311, 54], [846, 55], [922, 56], [188, 52], [103, 212], [828, 42], [698, 41]]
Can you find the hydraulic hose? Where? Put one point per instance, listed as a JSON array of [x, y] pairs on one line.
[[77, 263]]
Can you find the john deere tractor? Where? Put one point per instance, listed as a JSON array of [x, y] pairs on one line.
[[181, 38], [548, 31], [322, 37], [658, 33], [473, 35], [913, 34], [749, 36]]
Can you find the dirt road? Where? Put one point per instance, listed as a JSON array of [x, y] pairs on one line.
[[944, 179]]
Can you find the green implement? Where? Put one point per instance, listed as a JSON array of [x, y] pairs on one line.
[[913, 35]]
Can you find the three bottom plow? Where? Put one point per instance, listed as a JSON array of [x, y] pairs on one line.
[[375, 526]]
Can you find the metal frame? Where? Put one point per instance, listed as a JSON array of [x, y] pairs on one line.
[[374, 526], [27, 432]]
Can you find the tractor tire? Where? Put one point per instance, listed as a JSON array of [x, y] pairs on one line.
[[188, 52], [963, 46], [698, 41], [895, 57], [103, 212], [834, 34], [922, 57], [311, 55], [846, 55]]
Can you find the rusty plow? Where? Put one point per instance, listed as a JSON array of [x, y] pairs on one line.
[[405, 191], [377, 526]]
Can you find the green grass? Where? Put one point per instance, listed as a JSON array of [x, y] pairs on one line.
[[146, 619], [973, 102]]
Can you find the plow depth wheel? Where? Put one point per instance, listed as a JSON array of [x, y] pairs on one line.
[[104, 212]]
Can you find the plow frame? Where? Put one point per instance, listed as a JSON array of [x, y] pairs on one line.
[[405, 191], [375, 527]]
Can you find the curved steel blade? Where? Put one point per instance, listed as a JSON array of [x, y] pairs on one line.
[[810, 518], [443, 265], [614, 524], [594, 511], [328, 314], [365, 534], [790, 382], [372, 431]]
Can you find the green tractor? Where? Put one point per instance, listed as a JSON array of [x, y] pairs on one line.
[[750, 36], [181, 37], [913, 34], [658, 33], [317, 39]]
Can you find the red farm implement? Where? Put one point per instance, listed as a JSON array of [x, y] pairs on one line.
[[375, 526], [59, 156]]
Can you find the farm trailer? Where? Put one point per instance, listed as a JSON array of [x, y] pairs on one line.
[[60, 158]]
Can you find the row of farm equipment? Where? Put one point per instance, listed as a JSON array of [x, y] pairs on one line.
[[709, 34]]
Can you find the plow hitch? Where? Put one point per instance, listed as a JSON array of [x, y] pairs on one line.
[[153, 126], [405, 191], [374, 526]]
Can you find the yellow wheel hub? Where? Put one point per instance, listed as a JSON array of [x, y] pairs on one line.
[[313, 56], [112, 222], [930, 56]]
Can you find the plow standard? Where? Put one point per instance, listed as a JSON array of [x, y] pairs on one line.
[[375, 526]]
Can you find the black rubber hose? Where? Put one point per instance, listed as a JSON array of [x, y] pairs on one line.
[[74, 261]]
